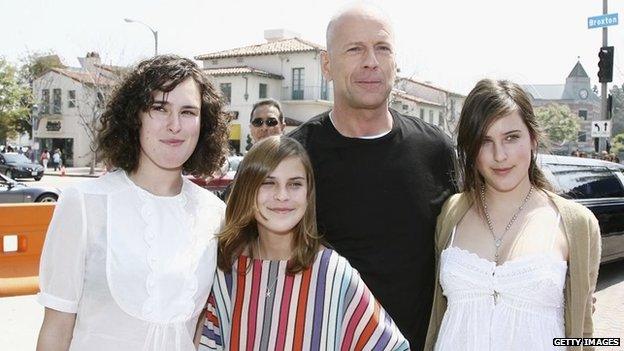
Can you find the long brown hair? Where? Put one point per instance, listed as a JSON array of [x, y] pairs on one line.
[[241, 227], [488, 101]]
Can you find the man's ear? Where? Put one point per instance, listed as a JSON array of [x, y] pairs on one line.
[[325, 65]]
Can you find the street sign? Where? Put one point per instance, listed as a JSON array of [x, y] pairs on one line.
[[610, 19], [601, 129]]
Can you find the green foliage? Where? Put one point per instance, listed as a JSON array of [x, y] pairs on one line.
[[617, 143], [558, 123], [36, 64], [617, 116], [15, 103]]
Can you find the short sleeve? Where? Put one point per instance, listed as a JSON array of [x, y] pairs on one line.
[[62, 266]]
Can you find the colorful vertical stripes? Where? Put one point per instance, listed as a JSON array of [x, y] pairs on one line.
[[326, 307]]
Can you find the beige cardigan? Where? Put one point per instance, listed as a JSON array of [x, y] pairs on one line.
[[583, 234]]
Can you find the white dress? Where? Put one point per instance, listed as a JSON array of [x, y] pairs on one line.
[[135, 268], [518, 305]]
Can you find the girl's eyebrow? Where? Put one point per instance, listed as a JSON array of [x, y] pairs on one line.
[[293, 178], [165, 102]]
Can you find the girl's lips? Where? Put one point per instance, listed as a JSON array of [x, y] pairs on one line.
[[502, 171], [172, 142], [281, 210]]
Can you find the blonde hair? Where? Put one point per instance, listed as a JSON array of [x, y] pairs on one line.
[[241, 227]]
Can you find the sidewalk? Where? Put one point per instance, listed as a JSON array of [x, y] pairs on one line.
[[75, 172]]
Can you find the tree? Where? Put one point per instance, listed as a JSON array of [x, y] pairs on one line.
[[617, 143], [32, 66], [617, 117], [36, 64], [15, 103], [558, 123]]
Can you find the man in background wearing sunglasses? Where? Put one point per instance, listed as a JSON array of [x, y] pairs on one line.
[[266, 120]]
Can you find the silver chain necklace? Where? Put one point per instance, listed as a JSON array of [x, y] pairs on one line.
[[499, 241], [270, 286]]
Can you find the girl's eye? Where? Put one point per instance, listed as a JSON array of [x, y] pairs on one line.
[[159, 108], [486, 141], [512, 137], [354, 49], [268, 182], [189, 113], [295, 185]]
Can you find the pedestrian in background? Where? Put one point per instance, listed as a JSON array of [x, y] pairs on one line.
[[56, 159], [517, 264], [129, 257], [44, 158]]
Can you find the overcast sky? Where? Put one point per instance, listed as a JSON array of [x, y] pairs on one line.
[[451, 43]]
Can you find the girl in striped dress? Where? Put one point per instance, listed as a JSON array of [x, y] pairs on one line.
[[277, 287]]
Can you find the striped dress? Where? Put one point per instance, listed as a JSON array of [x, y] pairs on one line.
[[326, 307]]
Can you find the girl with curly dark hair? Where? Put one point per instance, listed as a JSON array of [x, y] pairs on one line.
[[129, 257]]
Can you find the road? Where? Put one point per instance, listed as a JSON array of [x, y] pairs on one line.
[[20, 317]]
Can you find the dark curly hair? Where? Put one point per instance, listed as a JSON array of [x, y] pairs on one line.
[[118, 137]]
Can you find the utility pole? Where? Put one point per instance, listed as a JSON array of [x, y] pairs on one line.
[[603, 89]]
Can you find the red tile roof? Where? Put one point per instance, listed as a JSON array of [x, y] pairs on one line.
[[429, 85], [85, 77], [406, 96], [276, 47], [239, 70]]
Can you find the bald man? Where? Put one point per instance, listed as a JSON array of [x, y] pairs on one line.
[[381, 177]]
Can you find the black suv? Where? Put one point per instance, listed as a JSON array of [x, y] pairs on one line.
[[15, 165], [598, 185]]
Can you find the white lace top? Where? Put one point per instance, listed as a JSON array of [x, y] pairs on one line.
[[136, 268], [518, 305]]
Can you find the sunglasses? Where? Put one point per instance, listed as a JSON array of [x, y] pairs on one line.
[[258, 122]]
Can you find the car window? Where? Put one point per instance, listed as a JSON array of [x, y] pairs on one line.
[[586, 182], [16, 158]]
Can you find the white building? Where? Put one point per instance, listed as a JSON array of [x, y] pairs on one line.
[[288, 69], [69, 102], [285, 68], [428, 102]]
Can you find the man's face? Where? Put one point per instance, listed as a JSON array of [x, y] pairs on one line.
[[360, 61], [265, 122]]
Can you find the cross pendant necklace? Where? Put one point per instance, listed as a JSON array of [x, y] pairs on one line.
[[498, 241]]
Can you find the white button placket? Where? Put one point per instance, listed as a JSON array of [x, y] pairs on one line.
[[148, 214]]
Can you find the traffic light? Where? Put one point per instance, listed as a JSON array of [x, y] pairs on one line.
[[605, 65]]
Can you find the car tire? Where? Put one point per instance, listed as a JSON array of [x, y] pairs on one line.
[[38, 178], [9, 174], [47, 198]]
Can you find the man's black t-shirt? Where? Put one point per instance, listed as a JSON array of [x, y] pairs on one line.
[[377, 203]]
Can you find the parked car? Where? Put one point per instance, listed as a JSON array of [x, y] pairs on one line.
[[598, 185], [15, 165], [12, 191], [221, 179]]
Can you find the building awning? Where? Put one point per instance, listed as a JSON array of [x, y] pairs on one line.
[[235, 131]]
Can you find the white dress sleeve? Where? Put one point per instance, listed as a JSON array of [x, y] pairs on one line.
[[62, 266]]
